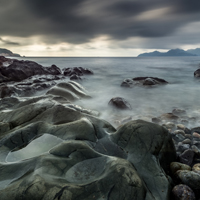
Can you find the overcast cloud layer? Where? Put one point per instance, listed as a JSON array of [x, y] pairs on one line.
[[80, 21]]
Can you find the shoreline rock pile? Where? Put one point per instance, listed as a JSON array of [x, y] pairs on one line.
[[140, 160]]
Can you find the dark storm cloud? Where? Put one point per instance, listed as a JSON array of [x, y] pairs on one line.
[[78, 21]]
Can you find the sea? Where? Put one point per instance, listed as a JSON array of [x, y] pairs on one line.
[[183, 90]]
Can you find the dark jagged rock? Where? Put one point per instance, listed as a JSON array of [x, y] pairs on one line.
[[20, 70], [75, 77], [120, 103], [143, 81], [77, 71]]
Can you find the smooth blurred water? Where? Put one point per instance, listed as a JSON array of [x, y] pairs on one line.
[[183, 90]]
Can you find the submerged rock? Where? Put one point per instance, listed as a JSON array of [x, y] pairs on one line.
[[120, 103], [197, 73], [75, 72], [143, 81]]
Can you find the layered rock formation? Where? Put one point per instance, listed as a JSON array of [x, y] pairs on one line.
[[91, 161]]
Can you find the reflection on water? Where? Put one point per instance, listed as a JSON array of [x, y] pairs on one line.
[[37, 147]]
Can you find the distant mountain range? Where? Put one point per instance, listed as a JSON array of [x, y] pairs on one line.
[[173, 52], [6, 52]]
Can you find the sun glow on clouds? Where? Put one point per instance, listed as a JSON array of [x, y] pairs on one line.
[[153, 14], [100, 46]]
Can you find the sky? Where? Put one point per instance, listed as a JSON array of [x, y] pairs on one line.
[[98, 27]]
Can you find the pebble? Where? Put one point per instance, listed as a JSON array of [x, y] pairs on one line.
[[188, 136], [169, 125], [187, 141], [175, 166], [196, 135], [190, 178], [187, 157], [183, 192], [196, 168], [181, 126], [179, 132], [182, 147]]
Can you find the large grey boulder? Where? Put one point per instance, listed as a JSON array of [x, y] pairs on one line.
[[71, 170], [151, 150]]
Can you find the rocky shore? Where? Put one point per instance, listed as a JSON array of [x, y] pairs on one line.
[[79, 155]]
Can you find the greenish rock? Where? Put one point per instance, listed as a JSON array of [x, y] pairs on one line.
[[148, 146], [71, 170], [190, 178], [175, 166], [91, 159]]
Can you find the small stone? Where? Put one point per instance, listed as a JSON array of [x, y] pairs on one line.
[[196, 168], [188, 136], [169, 116], [169, 125], [156, 120], [150, 81], [184, 121], [179, 132], [127, 83], [183, 192], [178, 137], [187, 157], [182, 147], [120, 103], [187, 131], [186, 141], [181, 126], [195, 149], [178, 111], [196, 143], [190, 178], [196, 135], [175, 166]]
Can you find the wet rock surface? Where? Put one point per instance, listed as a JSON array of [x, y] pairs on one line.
[[90, 159], [81, 156], [20, 70], [143, 81], [120, 103], [75, 72]]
